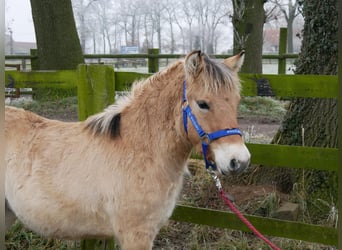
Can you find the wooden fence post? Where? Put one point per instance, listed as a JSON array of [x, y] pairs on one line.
[[95, 89], [153, 63], [35, 59], [282, 51], [97, 245]]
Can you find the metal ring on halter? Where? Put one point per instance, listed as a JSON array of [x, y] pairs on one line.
[[206, 139]]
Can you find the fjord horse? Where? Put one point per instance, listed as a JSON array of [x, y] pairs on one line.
[[119, 172]]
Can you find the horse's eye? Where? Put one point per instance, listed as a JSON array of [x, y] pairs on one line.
[[203, 105]]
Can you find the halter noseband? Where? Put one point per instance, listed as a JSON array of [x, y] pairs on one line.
[[206, 138]]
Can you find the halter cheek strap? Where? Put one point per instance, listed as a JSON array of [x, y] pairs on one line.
[[206, 138]]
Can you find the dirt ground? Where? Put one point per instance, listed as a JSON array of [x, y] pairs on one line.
[[260, 129]]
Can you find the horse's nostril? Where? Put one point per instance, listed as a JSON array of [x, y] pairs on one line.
[[234, 164]]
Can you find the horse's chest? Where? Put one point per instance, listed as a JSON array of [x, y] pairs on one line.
[[172, 197]]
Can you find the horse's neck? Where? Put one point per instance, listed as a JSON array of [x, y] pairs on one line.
[[157, 114]]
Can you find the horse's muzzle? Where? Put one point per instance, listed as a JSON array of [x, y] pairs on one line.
[[231, 158], [237, 166]]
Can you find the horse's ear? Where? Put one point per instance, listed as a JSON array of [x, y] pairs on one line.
[[235, 62], [193, 63]]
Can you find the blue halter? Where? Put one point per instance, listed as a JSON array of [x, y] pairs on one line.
[[206, 138]]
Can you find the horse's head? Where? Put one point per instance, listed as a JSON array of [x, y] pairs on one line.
[[212, 93]]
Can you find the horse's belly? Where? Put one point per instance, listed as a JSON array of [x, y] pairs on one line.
[[56, 218], [51, 221]]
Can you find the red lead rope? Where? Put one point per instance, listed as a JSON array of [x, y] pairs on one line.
[[244, 220]]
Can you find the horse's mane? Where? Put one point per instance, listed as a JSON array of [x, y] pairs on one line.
[[108, 121], [215, 75]]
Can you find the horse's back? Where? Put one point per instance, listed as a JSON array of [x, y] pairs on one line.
[[22, 129], [19, 121]]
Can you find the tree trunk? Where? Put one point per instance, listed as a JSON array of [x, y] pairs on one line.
[[248, 22], [290, 35], [290, 17], [57, 40], [312, 121], [309, 122]]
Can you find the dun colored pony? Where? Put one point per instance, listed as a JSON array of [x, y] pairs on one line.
[[119, 173]]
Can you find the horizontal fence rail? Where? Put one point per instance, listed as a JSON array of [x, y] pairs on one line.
[[264, 85], [268, 226], [292, 156], [151, 60], [252, 85]]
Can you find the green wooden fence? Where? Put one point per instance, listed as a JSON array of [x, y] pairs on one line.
[[96, 85]]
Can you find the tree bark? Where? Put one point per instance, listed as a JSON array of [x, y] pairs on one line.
[[57, 39], [248, 22], [312, 121], [318, 56], [309, 122]]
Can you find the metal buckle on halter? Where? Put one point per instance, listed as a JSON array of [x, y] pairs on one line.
[[217, 181], [185, 104], [205, 139]]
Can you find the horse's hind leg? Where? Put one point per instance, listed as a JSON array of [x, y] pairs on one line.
[[9, 216]]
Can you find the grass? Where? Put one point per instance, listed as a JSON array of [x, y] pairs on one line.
[[262, 107], [61, 109], [19, 237]]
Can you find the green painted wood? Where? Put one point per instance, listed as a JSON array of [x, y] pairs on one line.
[[282, 86], [272, 155], [282, 51], [268, 226], [96, 89], [124, 80], [19, 57], [42, 79], [153, 63], [320, 86], [97, 245], [34, 59], [294, 156]]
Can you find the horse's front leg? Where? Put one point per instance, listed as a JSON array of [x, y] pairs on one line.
[[136, 240]]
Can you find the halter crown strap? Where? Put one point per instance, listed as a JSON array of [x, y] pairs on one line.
[[205, 137]]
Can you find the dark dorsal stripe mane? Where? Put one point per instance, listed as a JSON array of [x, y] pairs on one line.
[[105, 123], [114, 126]]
